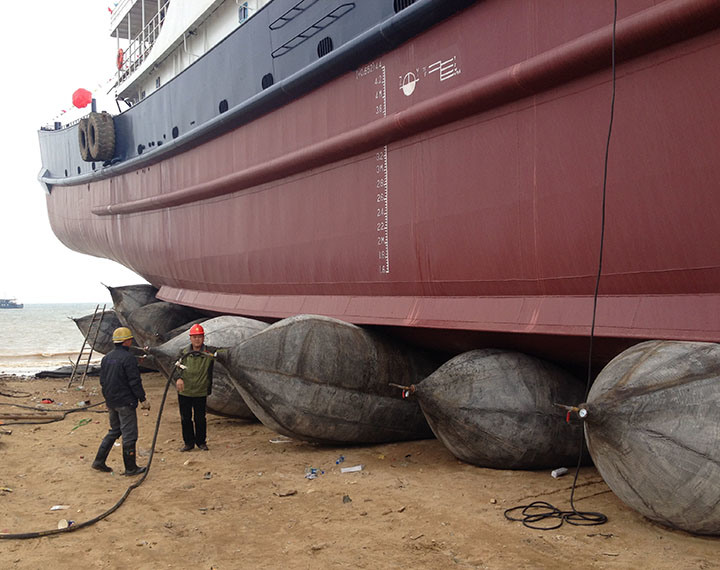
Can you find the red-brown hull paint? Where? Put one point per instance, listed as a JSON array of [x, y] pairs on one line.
[[494, 188]]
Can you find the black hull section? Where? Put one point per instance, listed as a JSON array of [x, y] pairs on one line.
[[266, 75]]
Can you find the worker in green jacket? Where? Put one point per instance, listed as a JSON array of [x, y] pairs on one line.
[[194, 386]]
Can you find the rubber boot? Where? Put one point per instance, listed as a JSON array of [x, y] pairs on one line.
[[131, 467], [103, 452]]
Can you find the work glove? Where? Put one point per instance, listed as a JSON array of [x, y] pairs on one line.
[[145, 404]]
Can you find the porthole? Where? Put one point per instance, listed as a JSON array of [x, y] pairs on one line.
[[223, 106], [175, 132], [267, 80]]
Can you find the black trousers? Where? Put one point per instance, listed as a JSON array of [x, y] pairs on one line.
[[192, 411], [123, 421]]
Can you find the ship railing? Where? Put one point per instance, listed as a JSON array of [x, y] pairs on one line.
[[69, 120], [140, 45], [119, 9]]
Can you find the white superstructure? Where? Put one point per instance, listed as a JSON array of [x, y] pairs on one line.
[[157, 39]]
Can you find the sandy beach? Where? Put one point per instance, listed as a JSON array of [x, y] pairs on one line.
[[246, 503]]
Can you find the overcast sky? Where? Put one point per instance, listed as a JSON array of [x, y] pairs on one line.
[[51, 49]]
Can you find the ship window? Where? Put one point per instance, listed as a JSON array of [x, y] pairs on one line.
[[243, 12], [66, 172], [402, 4], [142, 95], [78, 170], [267, 80], [175, 132], [93, 166], [157, 82], [223, 106], [325, 46], [141, 148]]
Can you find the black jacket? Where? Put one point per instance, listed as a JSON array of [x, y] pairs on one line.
[[120, 379]]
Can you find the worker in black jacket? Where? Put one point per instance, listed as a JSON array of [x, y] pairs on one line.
[[122, 389]]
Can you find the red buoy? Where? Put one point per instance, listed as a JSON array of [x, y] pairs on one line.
[[82, 98]]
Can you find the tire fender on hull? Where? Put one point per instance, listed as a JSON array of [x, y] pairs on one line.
[[101, 136], [83, 142]]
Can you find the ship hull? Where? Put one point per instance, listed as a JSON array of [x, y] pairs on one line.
[[452, 189]]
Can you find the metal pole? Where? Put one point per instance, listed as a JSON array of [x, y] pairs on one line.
[[143, 26], [129, 21], [117, 41]]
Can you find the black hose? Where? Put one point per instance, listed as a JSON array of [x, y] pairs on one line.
[[537, 514], [117, 505], [16, 394], [49, 420]]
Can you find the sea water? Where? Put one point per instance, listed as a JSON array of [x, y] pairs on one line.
[[41, 337]]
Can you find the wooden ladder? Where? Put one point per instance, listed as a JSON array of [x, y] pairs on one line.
[[87, 348]]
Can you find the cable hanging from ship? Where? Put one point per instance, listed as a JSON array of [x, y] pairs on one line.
[[537, 514]]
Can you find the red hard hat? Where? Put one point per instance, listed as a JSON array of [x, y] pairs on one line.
[[196, 329]]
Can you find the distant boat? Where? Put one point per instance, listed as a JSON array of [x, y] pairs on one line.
[[10, 304]]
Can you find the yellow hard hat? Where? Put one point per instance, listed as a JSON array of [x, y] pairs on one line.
[[121, 334]]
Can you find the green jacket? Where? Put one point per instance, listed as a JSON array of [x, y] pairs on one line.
[[198, 373]]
